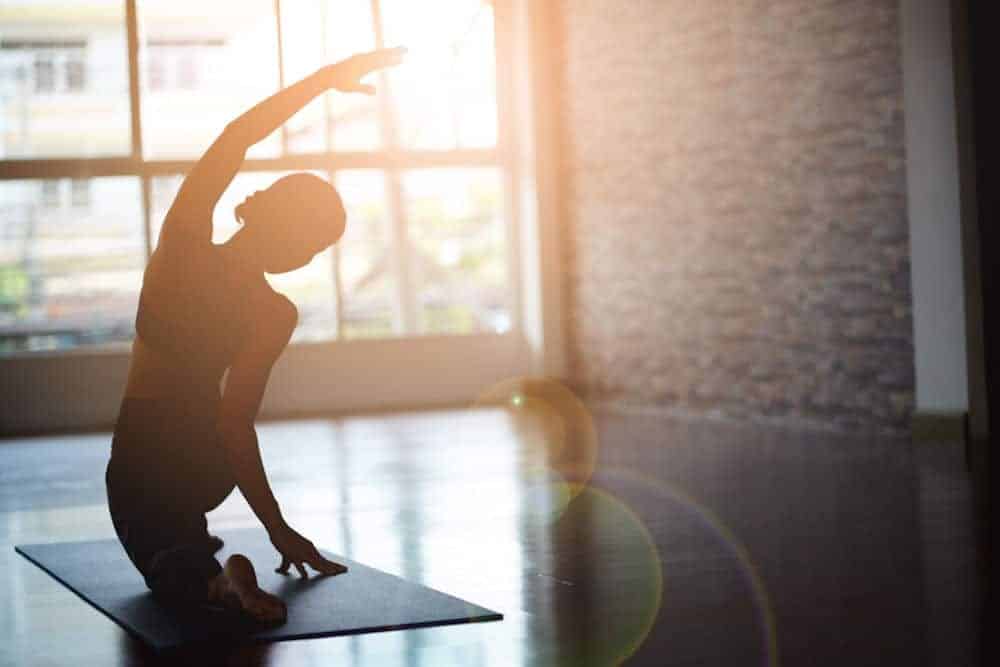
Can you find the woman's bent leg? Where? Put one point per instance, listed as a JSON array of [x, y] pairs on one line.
[[167, 544], [181, 575]]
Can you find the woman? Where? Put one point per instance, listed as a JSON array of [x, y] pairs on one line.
[[182, 442]]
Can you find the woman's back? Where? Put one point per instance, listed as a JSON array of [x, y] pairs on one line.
[[191, 320]]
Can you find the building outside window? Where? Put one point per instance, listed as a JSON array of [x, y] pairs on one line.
[[76, 72], [45, 73], [80, 192], [51, 195]]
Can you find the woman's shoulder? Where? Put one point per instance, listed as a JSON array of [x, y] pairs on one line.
[[191, 263], [194, 283]]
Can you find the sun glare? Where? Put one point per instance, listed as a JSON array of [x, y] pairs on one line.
[[445, 94]]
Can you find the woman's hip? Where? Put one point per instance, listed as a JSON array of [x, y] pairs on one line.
[[162, 453]]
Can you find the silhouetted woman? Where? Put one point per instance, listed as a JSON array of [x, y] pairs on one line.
[[182, 443]]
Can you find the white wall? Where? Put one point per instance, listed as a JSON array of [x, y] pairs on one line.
[[933, 208], [82, 389]]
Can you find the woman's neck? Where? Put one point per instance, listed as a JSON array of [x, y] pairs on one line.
[[240, 256]]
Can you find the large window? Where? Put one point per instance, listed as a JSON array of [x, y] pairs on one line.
[[105, 104]]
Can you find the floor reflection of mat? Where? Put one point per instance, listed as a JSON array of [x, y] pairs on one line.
[[362, 600]]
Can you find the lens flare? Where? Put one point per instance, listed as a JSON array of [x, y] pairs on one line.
[[555, 430], [713, 523], [544, 496], [621, 577]]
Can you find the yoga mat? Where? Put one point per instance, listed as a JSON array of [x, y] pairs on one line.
[[361, 600]]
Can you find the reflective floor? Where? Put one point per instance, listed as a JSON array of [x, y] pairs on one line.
[[645, 540]]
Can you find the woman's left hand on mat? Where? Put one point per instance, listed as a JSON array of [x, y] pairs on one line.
[[298, 551]]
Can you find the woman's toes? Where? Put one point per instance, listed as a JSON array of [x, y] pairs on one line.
[[280, 612], [268, 609], [264, 607]]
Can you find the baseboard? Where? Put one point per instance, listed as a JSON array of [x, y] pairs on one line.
[[938, 426]]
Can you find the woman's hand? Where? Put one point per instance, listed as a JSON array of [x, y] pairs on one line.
[[297, 550], [346, 75]]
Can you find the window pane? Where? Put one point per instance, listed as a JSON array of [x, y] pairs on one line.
[[310, 288], [458, 258], [344, 28], [63, 79], [224, 225], [367, 280], [70, 268], [445, 93], [203, 64]]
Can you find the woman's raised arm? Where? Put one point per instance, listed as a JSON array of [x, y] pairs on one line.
[[189, 218]]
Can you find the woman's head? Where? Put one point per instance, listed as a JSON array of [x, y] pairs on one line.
[[297, 217]]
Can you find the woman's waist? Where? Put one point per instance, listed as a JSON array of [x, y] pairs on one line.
[[147, 363], [153, 375], [164, 422]]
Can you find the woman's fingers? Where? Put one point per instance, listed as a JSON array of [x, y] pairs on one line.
[[348, 73], [304, 554], [324, 566], [375, 60], [383, 58], [286, 563]]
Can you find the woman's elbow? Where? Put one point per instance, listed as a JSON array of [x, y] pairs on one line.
[[239, 133]]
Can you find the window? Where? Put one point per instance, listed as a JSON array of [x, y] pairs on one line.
[[367, 263], [80, 192], [45, 73], [50, 195], [75, 73], [457, 247], [156, 69], [420, 166], [63, 80], [68, 278], [187, 72]]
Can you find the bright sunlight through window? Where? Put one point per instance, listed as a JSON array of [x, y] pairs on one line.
[[420, 165]]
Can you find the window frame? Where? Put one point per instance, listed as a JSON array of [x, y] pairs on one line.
[[390, 159], [79, 387]]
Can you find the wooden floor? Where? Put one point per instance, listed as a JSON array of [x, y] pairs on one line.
[[696, 543]]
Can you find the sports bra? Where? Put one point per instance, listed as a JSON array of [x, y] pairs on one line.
[[193, 313]]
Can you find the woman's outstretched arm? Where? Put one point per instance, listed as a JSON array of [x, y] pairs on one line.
[[239, 406], [189, 218]]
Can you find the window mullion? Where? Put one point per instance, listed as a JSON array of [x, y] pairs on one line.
[[132, 28], [135, 113], [324, 14], [281, 70], [401, 254], [405, 298], [504, 31], [338, 290]]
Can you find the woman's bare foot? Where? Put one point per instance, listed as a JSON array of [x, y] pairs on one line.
[[236, 586]]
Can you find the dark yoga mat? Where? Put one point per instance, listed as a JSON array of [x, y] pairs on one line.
[[362, 600]]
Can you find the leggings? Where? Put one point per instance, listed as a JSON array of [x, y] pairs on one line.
[[166, 470]]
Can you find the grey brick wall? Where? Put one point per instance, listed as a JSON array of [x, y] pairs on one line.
[[734, 194]]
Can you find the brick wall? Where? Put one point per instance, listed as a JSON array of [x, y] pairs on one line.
[[734, 195]]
